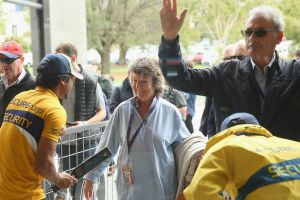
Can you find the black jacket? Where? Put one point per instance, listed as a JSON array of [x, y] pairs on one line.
[[120, 93], [27, 83], [207, 124], [85, 96], [234, 89]]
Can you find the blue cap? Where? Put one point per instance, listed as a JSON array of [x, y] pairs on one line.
[[238, 118], [56, 64]]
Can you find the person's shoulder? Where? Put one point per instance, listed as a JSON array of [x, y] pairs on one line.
[[117, 88], [291, 66], [234, 63], [291, 143], [103, 79], [88, 73], [53, 106], [227, 143], [166, 104], [125, 104], [41, 100], [123, 107], [24, 94], [28, 78], [179, 93], [233, 67], [32, 82]]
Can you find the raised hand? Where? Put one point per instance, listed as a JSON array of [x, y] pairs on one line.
[[170, 21]]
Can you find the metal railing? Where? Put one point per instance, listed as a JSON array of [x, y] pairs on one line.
[[77, 145]]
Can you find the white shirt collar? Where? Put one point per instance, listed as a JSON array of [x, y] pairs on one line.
[[267, 66]]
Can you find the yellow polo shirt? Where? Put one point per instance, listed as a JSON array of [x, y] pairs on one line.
[[29, 116], [249, 166]]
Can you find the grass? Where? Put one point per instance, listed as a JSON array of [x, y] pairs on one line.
[[119, 72]]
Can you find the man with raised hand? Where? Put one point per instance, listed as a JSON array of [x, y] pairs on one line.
[[262, 84]]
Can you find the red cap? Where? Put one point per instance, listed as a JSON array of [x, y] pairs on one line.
[[11, 49]]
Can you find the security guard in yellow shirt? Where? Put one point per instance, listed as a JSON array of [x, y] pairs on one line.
[[247, 162], [32, 125]]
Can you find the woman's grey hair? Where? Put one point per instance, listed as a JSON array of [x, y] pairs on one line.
[[150, 67], [272, 13]]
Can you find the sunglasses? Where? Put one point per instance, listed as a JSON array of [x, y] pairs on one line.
[[238, 57], [257, 32], [8, 60]]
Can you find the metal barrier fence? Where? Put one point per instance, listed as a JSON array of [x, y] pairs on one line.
[[77, 145]]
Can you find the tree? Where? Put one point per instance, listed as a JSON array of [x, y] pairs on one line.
[[213, 19], [222, 21], [134, 22], [2, 20], [101, 33], [114, 21], [291, 16], [144, 27]]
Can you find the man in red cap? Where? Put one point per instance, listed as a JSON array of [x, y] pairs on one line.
[[15, 77]]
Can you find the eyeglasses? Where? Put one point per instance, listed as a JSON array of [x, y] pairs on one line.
[[238, 57], [257, 32], [8, 60]]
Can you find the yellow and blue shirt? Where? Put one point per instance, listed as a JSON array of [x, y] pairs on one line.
[[249, 163], [29, 116]]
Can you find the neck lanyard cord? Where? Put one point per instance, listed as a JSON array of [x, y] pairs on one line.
[[130, 142]]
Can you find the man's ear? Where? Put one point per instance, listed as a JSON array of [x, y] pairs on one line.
[[73, 58], [22, 59], [279, 37], [63, 81]]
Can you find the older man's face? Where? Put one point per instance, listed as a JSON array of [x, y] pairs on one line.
[[261, 47], [13, 70]]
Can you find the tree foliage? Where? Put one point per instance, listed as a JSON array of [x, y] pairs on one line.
[[124, 22], [214, 19], [140, 32], [2, 19], [21, 40], [136, 22], [292, 24], [222, 20]]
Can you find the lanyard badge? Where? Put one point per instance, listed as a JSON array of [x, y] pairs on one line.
[[127, 171], [127, 174]]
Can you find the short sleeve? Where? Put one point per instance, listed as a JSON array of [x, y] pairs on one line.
[[100, 103], [55, 123]]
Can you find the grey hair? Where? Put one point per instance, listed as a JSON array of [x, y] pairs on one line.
[[150, 67], [269, 12]]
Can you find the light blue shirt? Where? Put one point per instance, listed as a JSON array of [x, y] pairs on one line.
[[151, 154]]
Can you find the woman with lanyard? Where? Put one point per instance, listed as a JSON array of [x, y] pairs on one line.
[[146, 128]]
